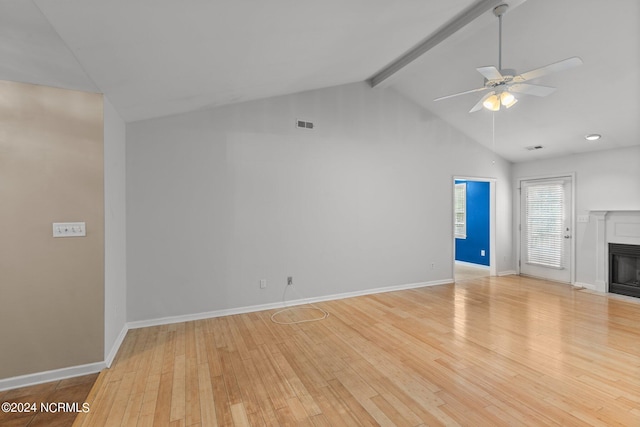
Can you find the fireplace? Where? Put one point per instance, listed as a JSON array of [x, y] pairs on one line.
[[624, 269]]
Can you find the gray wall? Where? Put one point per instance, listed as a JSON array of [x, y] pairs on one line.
[[115, 242], [605, 180], [219, 199]]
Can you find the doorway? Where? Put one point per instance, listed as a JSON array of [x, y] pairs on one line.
[[474, 228], [546, 228]]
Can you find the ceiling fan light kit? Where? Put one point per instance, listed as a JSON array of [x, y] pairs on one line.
[[495, 101], [492, 103], [503, 84]]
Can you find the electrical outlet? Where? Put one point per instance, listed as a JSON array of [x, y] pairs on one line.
[[263, 283], [289, 280], [433, 265], [482, 252]]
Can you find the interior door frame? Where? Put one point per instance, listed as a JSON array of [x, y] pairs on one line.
[[518, 218], [492, 221]]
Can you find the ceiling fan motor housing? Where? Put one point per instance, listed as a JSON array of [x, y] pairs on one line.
[[507, 77]]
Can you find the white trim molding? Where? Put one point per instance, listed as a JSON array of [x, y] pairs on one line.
[[601, 237], [471, 264], [53, 375], [507, 273], [270, 306], [116, 346], [583, 285]]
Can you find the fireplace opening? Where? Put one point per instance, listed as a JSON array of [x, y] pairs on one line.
[[624, 269]]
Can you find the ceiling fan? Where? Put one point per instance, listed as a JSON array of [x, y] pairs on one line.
[[502, 84]]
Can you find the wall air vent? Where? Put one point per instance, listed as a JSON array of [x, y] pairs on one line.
[[533, 147], [302, 124]]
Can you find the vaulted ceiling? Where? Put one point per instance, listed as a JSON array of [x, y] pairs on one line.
[[155, 58]]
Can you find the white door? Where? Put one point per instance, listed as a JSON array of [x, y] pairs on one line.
[[545, 228]]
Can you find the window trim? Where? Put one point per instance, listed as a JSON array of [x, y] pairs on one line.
[[460, 210]]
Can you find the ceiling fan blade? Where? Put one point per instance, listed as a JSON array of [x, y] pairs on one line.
[[529, 89], [461, 93], [478, 106], [490, 73], [548, 69]]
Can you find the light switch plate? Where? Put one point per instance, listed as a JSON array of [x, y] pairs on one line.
[[583, 218], [69, 229]]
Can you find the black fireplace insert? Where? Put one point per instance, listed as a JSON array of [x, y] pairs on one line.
[[624, 269]]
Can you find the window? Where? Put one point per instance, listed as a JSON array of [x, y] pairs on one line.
[[460, 210], [545, 221]]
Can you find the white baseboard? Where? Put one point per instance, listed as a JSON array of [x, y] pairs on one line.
[[626, 298], [507, 273], [270, 306], [199, 316], [47, 376], [585, 286], [472, 264], [116, 346]]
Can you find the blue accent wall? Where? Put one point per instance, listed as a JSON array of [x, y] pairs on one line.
[[468, 250]]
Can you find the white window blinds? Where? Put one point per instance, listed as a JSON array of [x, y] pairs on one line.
[[460, 208], [544, 224]]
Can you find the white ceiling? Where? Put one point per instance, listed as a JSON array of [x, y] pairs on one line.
[[154, 58]]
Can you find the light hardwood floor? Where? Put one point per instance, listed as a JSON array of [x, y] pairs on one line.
[[488, 352], [467, 271]]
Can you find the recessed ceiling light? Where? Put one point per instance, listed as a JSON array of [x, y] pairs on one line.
[[593, 137]]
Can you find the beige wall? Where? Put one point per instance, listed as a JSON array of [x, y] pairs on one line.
[[51, 170]]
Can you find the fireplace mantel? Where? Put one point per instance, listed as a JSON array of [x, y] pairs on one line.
[[613, 226]]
